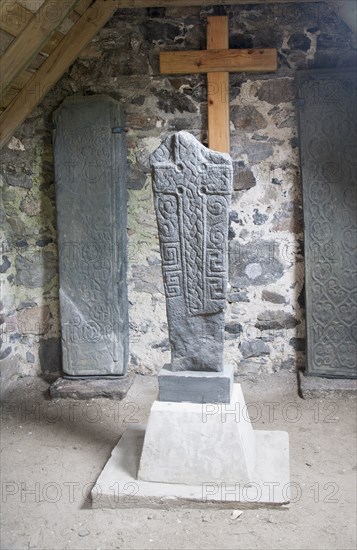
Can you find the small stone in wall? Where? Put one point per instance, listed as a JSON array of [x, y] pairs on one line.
[[159, 30], [44, 241], [155, 12], [25, 305], [240, 41], [273, 297], [136, 175], [169, 102], [288, 364], [254, 348], [301, 298], [6, 264], [30, 206], [30, 358], [141, 121], [35, 270], [247, 118], [34, 320], [50, 354], [258, 217], [275, 320], [231, 233], [18, 179], [5, 353], [16, 145], [289, 218], [298, 344], [243, 177], [294, 142], [257, 151], [234, 216], [283, 117], [276, 91], [299, 41], [255, 263], [233, 328], [164, 345], [238, 296]]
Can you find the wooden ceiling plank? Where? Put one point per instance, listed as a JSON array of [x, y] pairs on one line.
[[73, 16], [54, 67], [122, 4], [5, 41], [185, 62], [30, 41], [8, 94], [13, 17], [82, 6]]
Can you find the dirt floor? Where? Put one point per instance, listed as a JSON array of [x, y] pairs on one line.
[[52, 452]]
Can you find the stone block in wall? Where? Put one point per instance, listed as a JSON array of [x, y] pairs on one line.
[[34, 320]]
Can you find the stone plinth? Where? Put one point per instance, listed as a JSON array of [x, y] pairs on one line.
[[195, 386], [88, 388], [193, 443], [196, 455]]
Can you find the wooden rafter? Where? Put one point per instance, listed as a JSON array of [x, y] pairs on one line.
[[29, 42], [54, 66], [14, 18]]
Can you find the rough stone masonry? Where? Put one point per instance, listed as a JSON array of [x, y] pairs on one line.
[[264, 326]]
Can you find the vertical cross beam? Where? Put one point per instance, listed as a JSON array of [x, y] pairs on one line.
[[218, 88], [217, 62]]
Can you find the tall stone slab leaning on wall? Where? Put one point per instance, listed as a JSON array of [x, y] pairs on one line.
[[91, 197]]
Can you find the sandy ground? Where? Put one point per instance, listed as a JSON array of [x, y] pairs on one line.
[[52, 452]]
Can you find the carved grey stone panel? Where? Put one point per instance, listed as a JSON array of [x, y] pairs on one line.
[[328, 137], [91, 198], [192, 188]]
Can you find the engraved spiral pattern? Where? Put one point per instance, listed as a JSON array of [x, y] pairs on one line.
[[328, 159]]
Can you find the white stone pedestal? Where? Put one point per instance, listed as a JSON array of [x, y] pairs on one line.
[[196, 454]]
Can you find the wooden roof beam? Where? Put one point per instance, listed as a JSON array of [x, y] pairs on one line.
[[29, 42], [54, 67], [122, 4]]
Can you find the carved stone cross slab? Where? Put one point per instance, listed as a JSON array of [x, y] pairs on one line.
[[192, 187]]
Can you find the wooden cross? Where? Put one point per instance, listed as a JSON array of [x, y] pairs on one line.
[[218, 61]]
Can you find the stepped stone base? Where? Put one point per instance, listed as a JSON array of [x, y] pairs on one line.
[[196, 454]]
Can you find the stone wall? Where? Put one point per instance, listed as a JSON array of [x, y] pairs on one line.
[[265, 311]]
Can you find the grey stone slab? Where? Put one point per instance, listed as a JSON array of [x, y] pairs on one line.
[[315, 387], [91, 197], [195, 386], [192, 188], [118, 487], [327, 126], [195, 443], [113, 388]]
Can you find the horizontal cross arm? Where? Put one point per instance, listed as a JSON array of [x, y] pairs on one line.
[[205, 61]]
